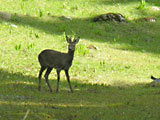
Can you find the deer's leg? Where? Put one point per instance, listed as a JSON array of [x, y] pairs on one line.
[[49, 69], [68, 78], [40, 75], [58, 78]]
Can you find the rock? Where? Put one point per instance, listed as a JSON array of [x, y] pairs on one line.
[[92, 47], [69, 18], [155, 8], [115, 17], [147, 19], [66, 17]]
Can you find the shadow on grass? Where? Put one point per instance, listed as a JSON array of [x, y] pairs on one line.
[[113, 2], [145, 35], [19, 93]]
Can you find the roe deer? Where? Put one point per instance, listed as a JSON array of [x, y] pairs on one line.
[[50, 59]]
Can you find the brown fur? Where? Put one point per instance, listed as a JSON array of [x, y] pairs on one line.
[[50, 59]]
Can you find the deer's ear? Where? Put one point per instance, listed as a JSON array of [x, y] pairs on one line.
[[76, 40], [68, 39]]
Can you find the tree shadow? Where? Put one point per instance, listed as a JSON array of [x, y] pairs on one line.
[[153, 2], [19, 93], [145, 35], [113, 2]]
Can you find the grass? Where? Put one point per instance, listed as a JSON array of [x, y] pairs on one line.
[[110, 82]]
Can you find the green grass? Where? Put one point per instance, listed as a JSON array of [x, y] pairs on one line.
[[111, 82]]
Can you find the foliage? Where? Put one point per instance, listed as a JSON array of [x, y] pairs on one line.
[[143, 4]]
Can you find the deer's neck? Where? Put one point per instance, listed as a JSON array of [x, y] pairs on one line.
[[71, 55]]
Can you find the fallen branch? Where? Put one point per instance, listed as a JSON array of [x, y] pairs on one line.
[[26, 114]]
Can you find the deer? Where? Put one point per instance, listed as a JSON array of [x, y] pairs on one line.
[[50, 59]]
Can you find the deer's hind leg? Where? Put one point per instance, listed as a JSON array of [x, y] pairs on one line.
[[40, 75], [49, 69]]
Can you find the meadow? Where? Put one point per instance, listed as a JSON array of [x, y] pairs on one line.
[[111, 69]]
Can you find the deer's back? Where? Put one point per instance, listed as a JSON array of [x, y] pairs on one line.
[[52, 58]]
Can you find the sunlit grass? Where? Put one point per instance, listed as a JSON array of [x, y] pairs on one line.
[[111, 69]]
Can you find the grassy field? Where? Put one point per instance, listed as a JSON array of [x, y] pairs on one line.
[[111, 82]]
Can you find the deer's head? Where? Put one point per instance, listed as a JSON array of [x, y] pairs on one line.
[[72, 44]]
